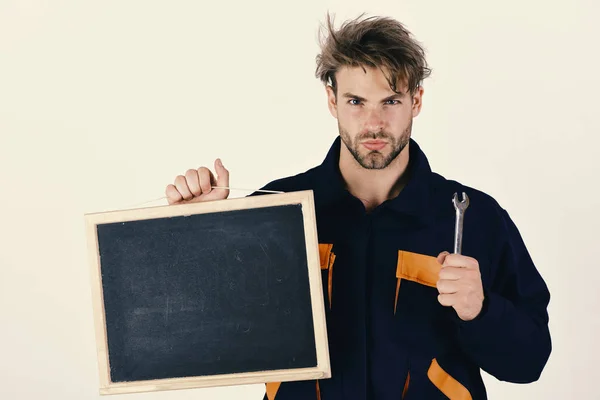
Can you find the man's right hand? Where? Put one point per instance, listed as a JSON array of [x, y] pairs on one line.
[[197, 185]]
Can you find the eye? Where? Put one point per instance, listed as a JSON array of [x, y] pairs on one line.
[[393, 102], [357, 102]]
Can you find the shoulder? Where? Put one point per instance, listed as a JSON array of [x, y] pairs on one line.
[[302, 181], [483, 207], [490, 233]]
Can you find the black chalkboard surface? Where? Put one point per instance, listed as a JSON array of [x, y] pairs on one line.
[[208, 294]]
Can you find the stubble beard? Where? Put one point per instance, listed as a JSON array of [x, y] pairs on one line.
[[375, 159]]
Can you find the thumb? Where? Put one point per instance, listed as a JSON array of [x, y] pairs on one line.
[[442, 256], [222, 173]]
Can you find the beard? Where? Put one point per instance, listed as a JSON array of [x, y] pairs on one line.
[[375, 159]]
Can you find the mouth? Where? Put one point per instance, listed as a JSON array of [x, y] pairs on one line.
[[374, 145]]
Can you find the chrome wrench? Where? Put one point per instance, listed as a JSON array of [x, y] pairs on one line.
[[460, 207]]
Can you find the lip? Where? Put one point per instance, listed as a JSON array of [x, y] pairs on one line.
[[374, 144]]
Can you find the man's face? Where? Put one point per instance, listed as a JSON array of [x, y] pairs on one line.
[[374, 122]]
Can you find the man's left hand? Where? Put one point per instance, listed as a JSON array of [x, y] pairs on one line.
[[459, 285]]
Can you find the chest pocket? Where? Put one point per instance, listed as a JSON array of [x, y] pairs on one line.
[[419, 268], [327, 258]]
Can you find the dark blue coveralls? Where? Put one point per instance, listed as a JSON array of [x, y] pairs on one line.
[[389, 338]]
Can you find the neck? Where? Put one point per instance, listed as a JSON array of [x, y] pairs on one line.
[[373, 186]]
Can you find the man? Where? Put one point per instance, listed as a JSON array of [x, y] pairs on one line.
[[406, 318]]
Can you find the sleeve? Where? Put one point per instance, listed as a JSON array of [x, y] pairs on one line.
[[510, 338]]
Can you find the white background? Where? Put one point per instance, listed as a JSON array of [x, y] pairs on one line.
[[103, 103]]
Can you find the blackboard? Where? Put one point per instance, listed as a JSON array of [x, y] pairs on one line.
[[208, 294]]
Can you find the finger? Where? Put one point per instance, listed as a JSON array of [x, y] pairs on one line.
[[182, 187], [447, 287], [173, 195], [451, 273], [447, 300], [442, 256], [460, 261], [222, 173], [222, 180], [222, 176], [204, 176], [191, 178]]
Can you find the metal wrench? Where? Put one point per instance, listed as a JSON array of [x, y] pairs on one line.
[[460, 207]]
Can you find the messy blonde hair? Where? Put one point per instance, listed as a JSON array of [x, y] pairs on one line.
[[376, 42]]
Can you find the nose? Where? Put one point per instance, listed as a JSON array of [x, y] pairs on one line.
[[374, 122]]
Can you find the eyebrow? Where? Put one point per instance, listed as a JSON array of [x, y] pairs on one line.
[[392, 97]]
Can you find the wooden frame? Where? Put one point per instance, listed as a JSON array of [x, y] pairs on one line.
[[305, 198]]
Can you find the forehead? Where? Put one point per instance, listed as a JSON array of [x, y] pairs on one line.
[[364, 81]]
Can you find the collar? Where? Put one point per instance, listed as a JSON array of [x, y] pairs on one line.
[[414, 200]]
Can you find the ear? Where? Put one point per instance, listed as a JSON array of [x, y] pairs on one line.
[[417, 101], [331, 101]]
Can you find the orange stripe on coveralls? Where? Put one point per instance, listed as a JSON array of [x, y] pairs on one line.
[[406, 383], [272, 388], [325, 254], [446, 383], [418, 268], [327, 258]]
